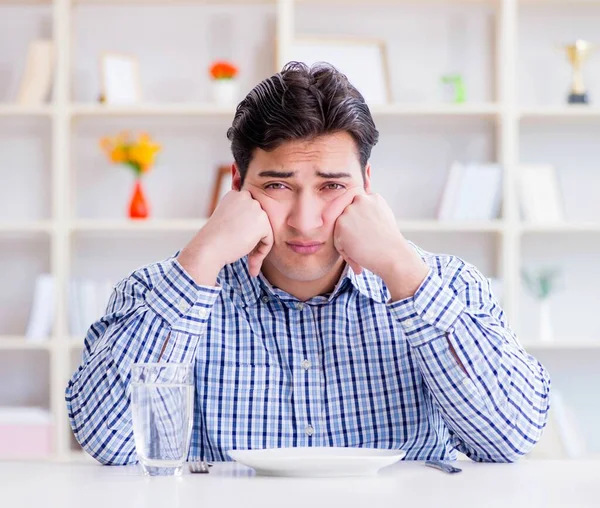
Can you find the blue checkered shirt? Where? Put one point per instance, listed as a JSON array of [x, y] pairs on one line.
[[350, 368]]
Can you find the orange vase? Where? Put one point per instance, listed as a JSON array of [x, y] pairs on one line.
[[138, 206]]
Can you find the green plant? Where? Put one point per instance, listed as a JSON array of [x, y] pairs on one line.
[[460, 89], [541, 283]]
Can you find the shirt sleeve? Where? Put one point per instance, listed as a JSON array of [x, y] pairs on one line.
[[157, 313], [496, 412]]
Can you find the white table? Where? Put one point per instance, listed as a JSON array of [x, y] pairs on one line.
[[564, 484]]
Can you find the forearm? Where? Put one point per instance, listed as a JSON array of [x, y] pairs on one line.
[[492, 395], [201, 263], [97, 395], [497, 408], [160, 318]]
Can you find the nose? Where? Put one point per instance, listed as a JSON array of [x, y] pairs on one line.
[[306, 213]]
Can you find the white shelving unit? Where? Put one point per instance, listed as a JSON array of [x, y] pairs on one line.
[[499, 112]]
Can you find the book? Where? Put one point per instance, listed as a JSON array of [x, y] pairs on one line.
[[88, 300], [539, 194], [41, 317], [450, 191], [37, 76], [473, 192]]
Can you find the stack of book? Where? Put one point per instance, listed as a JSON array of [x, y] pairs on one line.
[[87, 303], [473, 192]]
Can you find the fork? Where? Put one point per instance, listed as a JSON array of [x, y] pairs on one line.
[[443, 466], [199, 467]]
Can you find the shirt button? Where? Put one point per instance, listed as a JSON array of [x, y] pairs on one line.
[[309, 430], [265, 299], [202, 313], [182, 305], [299, 305], [306, 364]]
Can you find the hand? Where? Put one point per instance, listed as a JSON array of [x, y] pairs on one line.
[[366, 235], [238, 226]]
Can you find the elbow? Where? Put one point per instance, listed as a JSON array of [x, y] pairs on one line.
[[108, 447], [513, 443], [111, 458], [500, 453], [521, 439], [529, 422], [112, 446]]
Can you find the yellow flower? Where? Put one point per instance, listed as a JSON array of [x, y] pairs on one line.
[[139, 154], [143, 152], [118, 154]]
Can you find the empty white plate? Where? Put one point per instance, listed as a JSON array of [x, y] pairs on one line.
[[317, 461]]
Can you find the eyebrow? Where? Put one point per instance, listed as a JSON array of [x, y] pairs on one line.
[[333, 175], [277, 174], [290, 174]]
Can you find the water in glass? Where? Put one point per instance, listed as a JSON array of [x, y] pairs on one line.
[[162, 402]]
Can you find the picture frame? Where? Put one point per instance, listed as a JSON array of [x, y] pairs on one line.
[[363, 60], [36, 82], [221, 186], [120, 76]]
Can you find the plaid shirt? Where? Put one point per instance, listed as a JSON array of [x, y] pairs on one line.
[[350, 368]]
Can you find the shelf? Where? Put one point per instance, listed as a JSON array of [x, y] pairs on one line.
[[17, 3], [199, 109], [150, 109], [25, 226], [563, 345], [12, 342], [560, 112], [73, 342], [152, 225], [437, 110], [566, 3], [566, 227], [252, 2], [173, 2], [7, 109], [440, 226]]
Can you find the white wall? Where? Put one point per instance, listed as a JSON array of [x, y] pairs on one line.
[[175, 45]]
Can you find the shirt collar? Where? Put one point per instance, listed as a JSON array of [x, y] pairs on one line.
[[237, 276]]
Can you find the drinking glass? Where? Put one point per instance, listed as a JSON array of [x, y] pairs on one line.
[[162, 405]]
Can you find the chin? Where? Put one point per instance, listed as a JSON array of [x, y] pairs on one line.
[[304, 268]]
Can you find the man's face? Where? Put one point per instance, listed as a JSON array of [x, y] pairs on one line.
[[299, 185]]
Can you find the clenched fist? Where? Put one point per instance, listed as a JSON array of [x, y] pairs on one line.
[[367, 236], [238, 226]]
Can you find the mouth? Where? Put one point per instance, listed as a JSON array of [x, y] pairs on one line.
[[305, 248]]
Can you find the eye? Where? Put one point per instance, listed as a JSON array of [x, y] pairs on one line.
[[275, 186], [334, 186]]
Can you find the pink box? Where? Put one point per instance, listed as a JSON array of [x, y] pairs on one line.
[[25, 433]]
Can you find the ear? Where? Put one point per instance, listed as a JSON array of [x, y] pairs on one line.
[[236, 178], [368, 179]]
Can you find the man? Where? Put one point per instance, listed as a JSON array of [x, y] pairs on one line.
[[309, 319]]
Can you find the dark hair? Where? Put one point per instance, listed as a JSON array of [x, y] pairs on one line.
[[298, 103]]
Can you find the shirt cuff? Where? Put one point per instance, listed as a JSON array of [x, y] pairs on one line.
[[181, 302], [429, 313]]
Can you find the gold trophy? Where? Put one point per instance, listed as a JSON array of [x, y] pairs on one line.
[[577, 53]]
